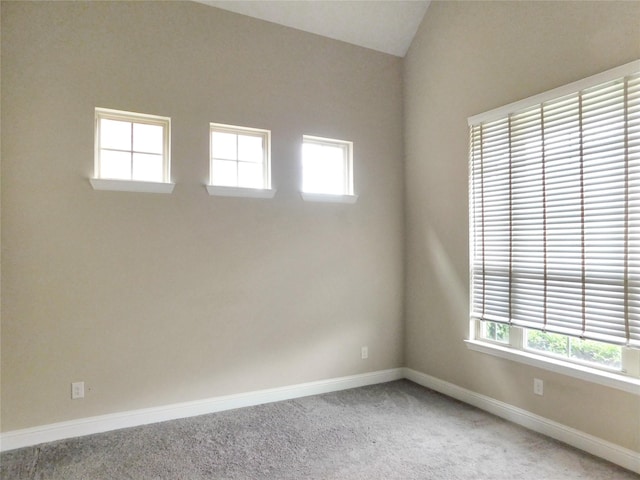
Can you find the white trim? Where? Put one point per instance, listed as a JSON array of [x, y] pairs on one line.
[[597, 79], [624, 457], [103, 423], [220, 191], [328, 198], [131, 185], [594, 375], [132, 116]]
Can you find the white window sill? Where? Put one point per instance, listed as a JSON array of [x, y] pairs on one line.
[[329, 198], [131, 186], [609, 379], [240, 192]]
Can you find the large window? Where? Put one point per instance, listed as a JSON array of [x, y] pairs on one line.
[[555, 222], [132, 150]]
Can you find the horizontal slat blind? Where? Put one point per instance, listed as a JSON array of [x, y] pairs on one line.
[[555, 213]]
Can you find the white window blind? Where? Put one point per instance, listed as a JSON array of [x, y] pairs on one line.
[[555, 210]]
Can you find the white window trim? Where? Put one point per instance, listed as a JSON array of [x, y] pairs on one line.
[[621, 71], [237, 191], [630, 361], [122, 185], [217, 190], [348, 196], [131, 186], [574, 370], [328, 198]]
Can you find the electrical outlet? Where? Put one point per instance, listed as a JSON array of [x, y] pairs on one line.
[[77, 390], [364, 353], [538, 386]]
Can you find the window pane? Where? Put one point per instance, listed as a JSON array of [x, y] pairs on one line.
[[147, 138], [224, 173], [498, 332], [250, 148], [589, 351], [323, 169], [333, 154], [224, 146], [147, 168], [333, 164], [502, 333], [596, 352], [115, 134], [250, 175], [548, 342], [115, 165]]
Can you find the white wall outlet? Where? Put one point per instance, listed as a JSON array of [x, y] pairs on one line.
[[538, 386], [77, 390], [364, 353]]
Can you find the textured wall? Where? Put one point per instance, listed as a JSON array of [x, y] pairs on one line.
[[467, 58], [154, 299]]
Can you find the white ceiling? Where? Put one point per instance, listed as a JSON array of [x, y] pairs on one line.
[[384, 25]]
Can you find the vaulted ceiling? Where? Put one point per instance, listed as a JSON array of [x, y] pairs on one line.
[[384, 25]]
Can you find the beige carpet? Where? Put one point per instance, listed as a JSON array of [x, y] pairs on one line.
[[397, 430]]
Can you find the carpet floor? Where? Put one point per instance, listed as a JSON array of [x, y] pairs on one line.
[[397, 430]]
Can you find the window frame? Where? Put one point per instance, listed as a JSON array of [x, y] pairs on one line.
[[241, 191], [131, 185], [347, 195], [628, 378]]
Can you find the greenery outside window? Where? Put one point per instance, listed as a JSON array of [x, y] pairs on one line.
[[588, 352]]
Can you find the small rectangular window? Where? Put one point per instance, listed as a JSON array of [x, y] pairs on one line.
[[327, 166], [239, 159], [131, 147]]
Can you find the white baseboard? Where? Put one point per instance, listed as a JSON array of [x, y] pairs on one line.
[[103, 423], [624, 457]]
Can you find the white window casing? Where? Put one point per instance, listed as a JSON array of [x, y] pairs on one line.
[[327, 170], [239, 161], [132, 152]]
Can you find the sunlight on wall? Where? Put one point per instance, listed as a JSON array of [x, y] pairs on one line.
[[452, 286]]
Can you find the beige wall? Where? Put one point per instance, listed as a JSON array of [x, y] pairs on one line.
[[154, 299], [467, 58]]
